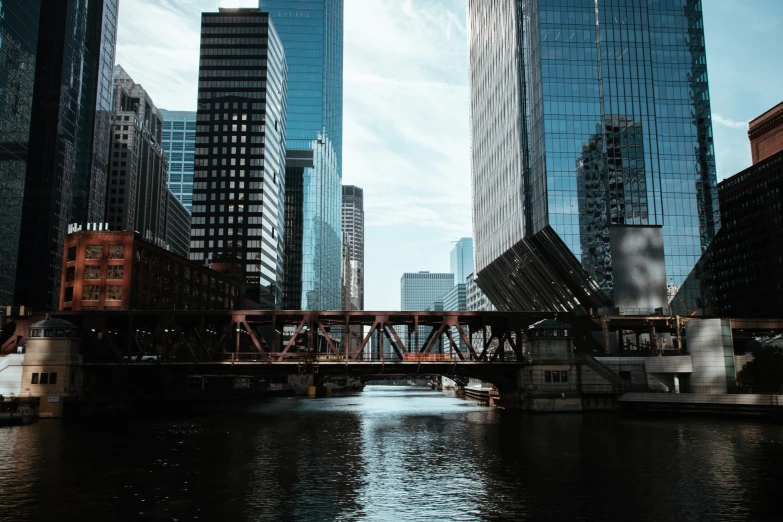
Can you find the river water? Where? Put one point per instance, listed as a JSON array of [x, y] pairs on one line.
[[391, 453]]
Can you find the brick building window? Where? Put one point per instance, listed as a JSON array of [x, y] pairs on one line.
[[34, 379], [113, 293], [115, 272], [116, 252], [91, 293], [94, 252], [92, 272]]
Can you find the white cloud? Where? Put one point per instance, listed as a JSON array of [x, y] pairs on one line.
[[728, 122], [406, 135], [732, 148]]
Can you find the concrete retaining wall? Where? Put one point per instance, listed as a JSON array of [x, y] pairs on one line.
[[11, 374]]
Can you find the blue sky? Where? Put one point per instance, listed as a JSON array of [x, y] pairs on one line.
[[406, 137]]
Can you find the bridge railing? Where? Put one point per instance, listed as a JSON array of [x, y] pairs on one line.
[[242, 357]]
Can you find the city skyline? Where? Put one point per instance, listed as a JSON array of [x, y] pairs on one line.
[[432, 81]]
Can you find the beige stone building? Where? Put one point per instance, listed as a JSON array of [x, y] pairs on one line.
[[52, 365]]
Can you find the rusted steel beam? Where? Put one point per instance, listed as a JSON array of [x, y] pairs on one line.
[[385, 329], [329, 340], [426, 341], [431, 345], [364, 342], [487, 344], [292, 340], [466, 339], [397, 338], [252, 334], [453, 344]]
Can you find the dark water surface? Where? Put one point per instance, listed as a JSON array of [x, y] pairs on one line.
[[392, 454]]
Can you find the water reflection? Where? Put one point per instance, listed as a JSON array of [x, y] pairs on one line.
[[390, 453]]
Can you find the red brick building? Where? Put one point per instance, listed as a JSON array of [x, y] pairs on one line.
[[766, 134], [122, 271]]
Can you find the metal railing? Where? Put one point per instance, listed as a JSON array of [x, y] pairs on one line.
[[241, 357]]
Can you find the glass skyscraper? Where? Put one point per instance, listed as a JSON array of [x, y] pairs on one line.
[[18, 46], [312, 35], [462, 260], [179, 144], [588, 114], [70, 126], [353, 234]]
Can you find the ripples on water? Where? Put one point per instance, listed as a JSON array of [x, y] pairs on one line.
[[391, 453]]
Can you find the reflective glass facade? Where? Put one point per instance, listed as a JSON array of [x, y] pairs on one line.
[[239, 171], [179, 144], [606, 105], [18, 44], [312, 35], [462, 260], [66, 177], [353, 236]]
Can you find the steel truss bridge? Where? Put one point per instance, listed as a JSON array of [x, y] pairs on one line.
[[476, 344], [486, 345]]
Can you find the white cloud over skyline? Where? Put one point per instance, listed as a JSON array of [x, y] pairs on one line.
[[406, 137]]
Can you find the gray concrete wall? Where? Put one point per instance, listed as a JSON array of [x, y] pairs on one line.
[[706, 348], [634, 365], [11, 374]]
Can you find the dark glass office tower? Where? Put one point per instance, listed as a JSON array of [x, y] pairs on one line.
[[18, 45], [589, 115], [239, 171], [66, 176], [312, 35]]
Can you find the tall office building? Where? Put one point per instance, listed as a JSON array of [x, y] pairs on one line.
[[179, 144], [239, 172], [591, 125], [462, 259], [65, 179], [18, 46], [455, 300], [423, 291], [475, 300], [353, 235], [312, 35], [420, 290], [136, 193], [177, 231]]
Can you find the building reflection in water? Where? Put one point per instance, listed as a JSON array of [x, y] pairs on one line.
[[390, 453]]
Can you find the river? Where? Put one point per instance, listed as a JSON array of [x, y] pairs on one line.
[[391, 453]]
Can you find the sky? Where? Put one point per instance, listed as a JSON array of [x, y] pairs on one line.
[[406, 134]]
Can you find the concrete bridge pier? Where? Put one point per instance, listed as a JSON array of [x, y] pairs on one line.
[[556, 379]]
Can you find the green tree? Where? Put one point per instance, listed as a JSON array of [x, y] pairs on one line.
[[765, 370]]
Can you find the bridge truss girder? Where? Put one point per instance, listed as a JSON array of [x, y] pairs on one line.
[[274, 336]]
